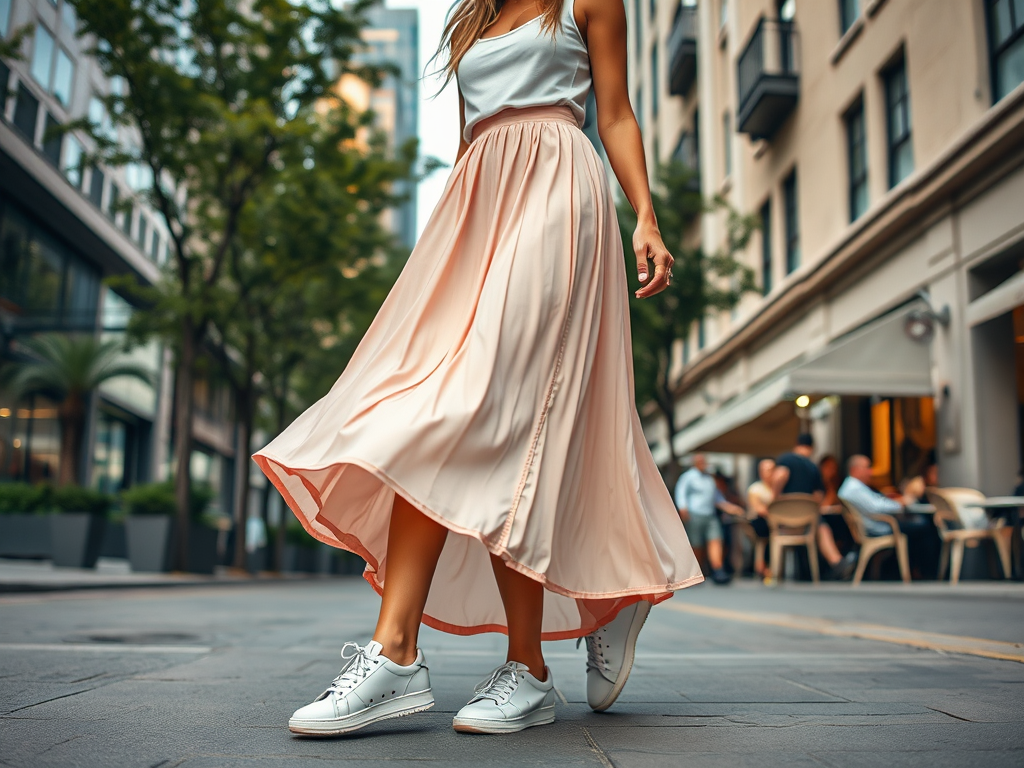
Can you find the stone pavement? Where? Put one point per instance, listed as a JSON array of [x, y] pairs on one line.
[[737, 676]]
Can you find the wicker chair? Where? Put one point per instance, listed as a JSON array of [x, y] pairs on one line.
[[793, 522], [872, 545], [955, 536]]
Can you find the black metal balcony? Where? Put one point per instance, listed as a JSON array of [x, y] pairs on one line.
[[768, 78], [682, 51]]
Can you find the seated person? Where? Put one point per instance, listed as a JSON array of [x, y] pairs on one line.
[[796, 473], [759, 496], [857, 492], [697, 497]]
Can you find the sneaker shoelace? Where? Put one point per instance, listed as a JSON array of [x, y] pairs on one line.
[[356, 669], [595, 650], [502, 683]]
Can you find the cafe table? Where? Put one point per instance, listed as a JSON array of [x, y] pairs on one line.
[[1013, 504]]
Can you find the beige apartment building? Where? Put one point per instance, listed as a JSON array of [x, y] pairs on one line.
[[882, 144]]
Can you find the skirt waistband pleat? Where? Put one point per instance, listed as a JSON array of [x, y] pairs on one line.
[[552, 114]]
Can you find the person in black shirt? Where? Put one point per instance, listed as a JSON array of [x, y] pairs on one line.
[[795, 472]]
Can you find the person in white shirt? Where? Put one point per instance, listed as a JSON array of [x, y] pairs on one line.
[[697, 498], [857, 492]]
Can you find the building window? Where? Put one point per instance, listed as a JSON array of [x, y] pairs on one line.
[[897, 107], [5, 17], [69, 17], [96, 188], [73, 161], [42, 56], [154, 246], [63, 77], [702, 335], [1006, 45], [791, 203], [5, 76], [652, 10], [723, 13], [113, 198], [849, 10], [140, 234], [52, 139], [727, 142], [655, 82], [857, 160], [766, 248], [640, 107], [26, 113], [126, 222]]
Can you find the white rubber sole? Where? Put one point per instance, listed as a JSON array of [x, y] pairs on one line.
[[400, 706], [542, 716], [642, 612]]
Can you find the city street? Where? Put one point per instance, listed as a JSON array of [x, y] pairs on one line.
[[738, 676]]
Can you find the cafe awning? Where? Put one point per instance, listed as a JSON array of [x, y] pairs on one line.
[[876, 359]]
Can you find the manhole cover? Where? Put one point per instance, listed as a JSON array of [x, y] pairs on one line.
[[137, 638]]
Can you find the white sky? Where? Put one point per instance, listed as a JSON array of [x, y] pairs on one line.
[[439, 117]]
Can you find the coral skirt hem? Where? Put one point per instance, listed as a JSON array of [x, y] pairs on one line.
[[653, 594]]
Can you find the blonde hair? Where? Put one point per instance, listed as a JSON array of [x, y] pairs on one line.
[[469, 19]]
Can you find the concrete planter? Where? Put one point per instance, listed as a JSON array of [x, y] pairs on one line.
[[76, 539], [25, 536], [150, 539]]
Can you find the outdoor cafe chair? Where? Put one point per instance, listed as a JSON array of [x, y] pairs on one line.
[[955, 536], [872, 545], [793, 522], [760, 544]]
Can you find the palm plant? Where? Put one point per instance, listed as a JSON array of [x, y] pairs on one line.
[[67, 368]]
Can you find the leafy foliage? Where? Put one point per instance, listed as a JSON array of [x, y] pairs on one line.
[[20, 498], [158, 499], [68, 365], [24, 498], [267, 182], [75, 498]]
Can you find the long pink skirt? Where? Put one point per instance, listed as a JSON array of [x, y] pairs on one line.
[[494, 391]]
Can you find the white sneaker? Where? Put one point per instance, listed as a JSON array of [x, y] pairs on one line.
[[610, 652], [369, 688], [511, 699]]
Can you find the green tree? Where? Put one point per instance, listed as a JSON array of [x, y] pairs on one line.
[[702, 281], [306, 252], [67, 368], [215, 97]]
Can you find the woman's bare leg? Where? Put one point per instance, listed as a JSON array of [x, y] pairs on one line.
[[523, 599], [414, 546]]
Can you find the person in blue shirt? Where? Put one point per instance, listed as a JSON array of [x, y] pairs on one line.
[[697, 497]]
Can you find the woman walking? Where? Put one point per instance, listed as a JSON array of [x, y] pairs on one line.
[[485, 424]]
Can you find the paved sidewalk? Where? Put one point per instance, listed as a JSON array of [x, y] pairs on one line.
[[207, 677], [42, 576]]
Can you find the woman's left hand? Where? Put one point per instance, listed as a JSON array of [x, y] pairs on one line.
[[649, 247]]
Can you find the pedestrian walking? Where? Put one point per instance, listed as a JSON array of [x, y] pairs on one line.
[[486, 424]]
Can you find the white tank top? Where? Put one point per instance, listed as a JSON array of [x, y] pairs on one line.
[[527, 67]]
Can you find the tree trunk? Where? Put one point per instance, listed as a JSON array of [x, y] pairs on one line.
[[282, 404], [184, 406], [245, 419], [72, 425]]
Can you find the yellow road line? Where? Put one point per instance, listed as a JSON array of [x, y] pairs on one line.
[[990, 649]]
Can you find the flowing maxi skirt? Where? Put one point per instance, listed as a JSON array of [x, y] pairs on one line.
[[494, 391]]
